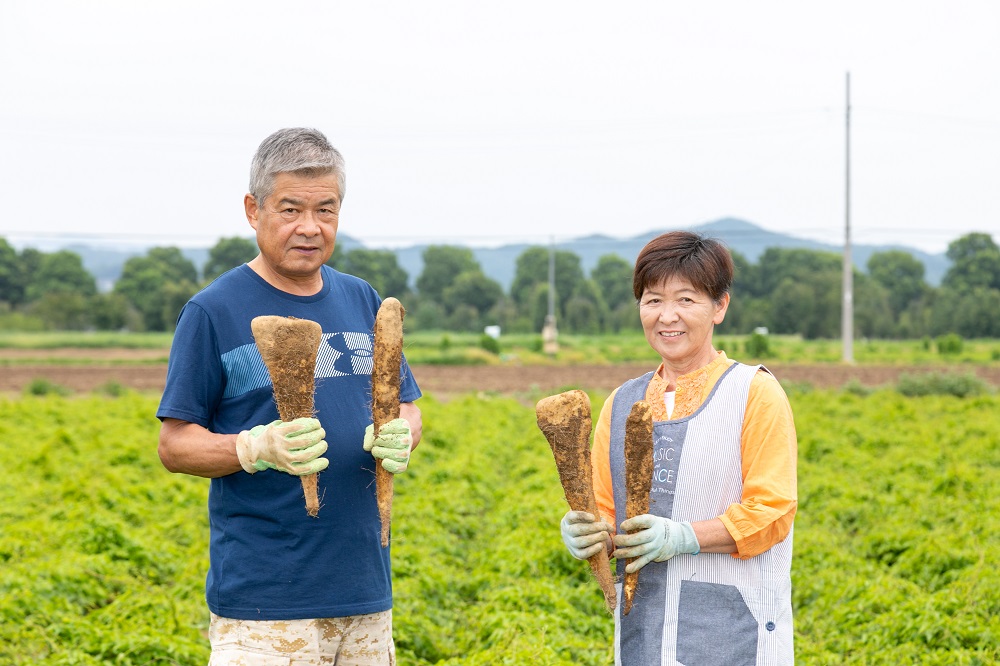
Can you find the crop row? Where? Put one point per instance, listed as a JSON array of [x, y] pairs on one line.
[[104, 553]]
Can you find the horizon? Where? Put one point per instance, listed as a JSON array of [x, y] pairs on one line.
[[140, 242], [105, 261]]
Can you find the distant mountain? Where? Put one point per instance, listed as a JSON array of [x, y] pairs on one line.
[[741, 236], [105, 261], [751, 241]]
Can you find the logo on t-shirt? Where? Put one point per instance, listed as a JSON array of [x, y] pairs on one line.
[[340, 355], [343, 354]]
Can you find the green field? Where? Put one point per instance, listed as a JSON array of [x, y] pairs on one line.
[[627, 347], [84, 340], [896, 542]]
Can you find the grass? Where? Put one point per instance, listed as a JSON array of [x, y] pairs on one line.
[[84, 340], [451, 348], [631, 347]]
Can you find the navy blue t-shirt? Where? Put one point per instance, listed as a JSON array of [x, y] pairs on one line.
[[269, 560]]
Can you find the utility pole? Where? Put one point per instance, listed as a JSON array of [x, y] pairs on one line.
[[552, 280], [550, 335], [847, 309]]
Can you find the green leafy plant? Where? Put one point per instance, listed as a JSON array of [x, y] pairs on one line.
[[932, 383], [949, 345], [103, 553], [897, 516], [489, 343], [855, 387], [113, 389], [758, 345], [43, 386], [102, 549]]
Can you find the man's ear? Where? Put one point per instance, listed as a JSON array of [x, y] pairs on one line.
[[250, 205]]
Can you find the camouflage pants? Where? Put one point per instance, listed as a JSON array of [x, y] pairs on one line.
[[357, 640]]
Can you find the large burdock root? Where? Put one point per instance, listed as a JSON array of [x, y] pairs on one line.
[[387, 358], [565, 421], [289, 347], [638, 478]]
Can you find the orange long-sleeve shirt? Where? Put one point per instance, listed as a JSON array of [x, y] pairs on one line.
[[769, 452]]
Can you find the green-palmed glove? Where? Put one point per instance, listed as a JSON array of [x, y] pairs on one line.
[[392, 446], [294, 447], [584, 534], [651, 538]]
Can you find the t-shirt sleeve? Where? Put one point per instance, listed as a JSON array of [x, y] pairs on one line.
[[408, 389], [195, 377], [770, 492], [600, 461]]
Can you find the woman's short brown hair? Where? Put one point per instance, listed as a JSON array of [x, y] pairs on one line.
[[704, 262]]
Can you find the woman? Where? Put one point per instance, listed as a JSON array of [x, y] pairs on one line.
[[716, 547]]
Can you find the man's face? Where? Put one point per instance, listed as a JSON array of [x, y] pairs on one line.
[[297, 224]]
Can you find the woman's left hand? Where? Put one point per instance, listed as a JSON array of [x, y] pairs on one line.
[[649, 538]]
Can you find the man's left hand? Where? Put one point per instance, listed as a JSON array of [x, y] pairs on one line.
[[392, 445]]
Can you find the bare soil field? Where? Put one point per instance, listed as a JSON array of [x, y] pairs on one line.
[[145, 370], [460, 379]]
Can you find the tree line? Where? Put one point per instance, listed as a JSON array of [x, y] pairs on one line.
[[788, 291]]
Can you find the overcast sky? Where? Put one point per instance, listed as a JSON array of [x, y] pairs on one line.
[[487, 123]]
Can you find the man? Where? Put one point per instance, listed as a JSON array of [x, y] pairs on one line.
[[282, 584]]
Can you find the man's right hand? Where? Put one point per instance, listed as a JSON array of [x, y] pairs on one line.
[[583, 534], [293, 447]]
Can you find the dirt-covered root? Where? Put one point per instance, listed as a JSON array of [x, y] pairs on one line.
[[565, 421], [289, 347], [387, 357], [638, 479]]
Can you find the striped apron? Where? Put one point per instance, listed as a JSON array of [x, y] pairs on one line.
[[709, 609]]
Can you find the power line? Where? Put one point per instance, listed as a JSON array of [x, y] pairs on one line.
[[820, 234], [986, 123]]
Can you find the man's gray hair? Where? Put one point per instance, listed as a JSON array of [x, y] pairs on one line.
[[300, 150]]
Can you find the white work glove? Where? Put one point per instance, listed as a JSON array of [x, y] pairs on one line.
[[294, 447], [392, 446], [650, 538], [583, 534]]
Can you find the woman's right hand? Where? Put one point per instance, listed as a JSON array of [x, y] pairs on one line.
[[583, 534]]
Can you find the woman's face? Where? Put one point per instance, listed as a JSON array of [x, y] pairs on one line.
[[678, 321]]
